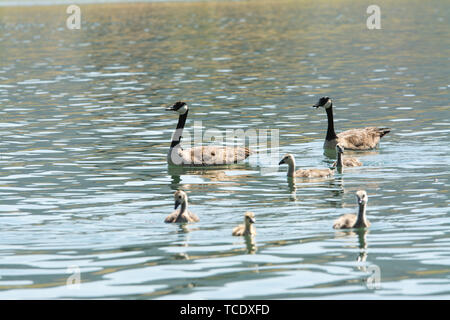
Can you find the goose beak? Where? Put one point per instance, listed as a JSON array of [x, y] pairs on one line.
[[170, 108], [177, 204], [281, 162], [316, 105]]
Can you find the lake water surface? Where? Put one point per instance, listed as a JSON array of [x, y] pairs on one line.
[[84, 183]]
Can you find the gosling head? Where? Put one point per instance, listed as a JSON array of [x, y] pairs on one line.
[[180, 107], [361, 196], [287, 159], [249, 217], [180, 197], [324, 102], [339, 148]]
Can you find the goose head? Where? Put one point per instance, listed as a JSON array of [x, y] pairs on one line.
[[180, 197], [339, 149], [324, 102], [180, 107], [249, 217], [361, 196], [287, 159]]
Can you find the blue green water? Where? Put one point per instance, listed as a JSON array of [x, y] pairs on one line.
[[84, 183]]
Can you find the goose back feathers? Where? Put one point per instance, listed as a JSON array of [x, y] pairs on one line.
[[207, 155]]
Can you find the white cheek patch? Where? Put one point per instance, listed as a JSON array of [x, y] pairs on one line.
[[183, 109], [327, 105]]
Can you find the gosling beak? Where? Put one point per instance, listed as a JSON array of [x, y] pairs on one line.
[[252, 220], [177, 204], [281, 162], [170, 108]]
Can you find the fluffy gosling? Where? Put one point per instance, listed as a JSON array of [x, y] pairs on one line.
[[303, 173], [348, 221], [342, 162], [182, 215], [246, 229]]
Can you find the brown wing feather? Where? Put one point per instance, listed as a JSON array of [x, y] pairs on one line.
[[212, 155], [361, 139]]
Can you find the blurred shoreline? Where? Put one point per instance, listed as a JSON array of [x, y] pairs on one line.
[[18, 3]]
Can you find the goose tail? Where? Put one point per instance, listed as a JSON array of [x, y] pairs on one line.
[[384, 131]]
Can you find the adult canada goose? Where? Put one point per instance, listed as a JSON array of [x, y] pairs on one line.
[[342, 162], [354, 221], [303, 173], [246, 229], [353, 139], [183, 214], [201, 155]]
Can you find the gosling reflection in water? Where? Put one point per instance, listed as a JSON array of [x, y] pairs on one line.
[[292, 188], [362, 239], [250, 244], [362, 244], [333, 186], [181, 256], [185, 228]]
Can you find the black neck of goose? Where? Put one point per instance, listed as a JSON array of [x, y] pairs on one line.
[[331, 134], [180, 126], [339, 160]]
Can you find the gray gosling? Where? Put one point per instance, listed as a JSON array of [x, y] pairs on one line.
[[353, 139], [303, 173], [182, 215], [348, 221], [202, 155], [342, 162], [246, 229]]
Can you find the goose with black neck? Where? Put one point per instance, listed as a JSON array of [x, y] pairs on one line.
[[353, 139], [202, 155]]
